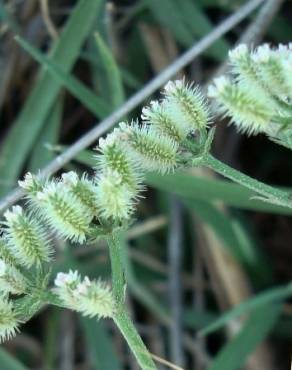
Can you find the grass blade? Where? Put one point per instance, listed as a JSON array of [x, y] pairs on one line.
[[253, 332], [199, 25], [109, 75], [260, 300], [167, 14], [193, 188], [49, 135], [103, 356], [87, 97], [32, 117], [187, 22]]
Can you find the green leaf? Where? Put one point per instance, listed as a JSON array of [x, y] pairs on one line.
[[196, 318], [260, 300], [167, 14], [29, 122], [49, 136], [109, 77], [99, 343], [10, 363], [187, 22], [253, 332], [192, 187], [233, 235], [199, 24], [87, 97], [219, 222]]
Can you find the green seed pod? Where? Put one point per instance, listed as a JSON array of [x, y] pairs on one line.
[[249, 115], [6, 254], [186, 105], [160, 116], [64, 212], [268, 63], [83, 189], [11, 280], [8, 320], [116, 157], [91, 298], [26, 238], [114, 199], [154, 151]]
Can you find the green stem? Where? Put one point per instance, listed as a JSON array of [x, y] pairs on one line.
[[118, 276], [272, 194], [134, 340], [121, 317]]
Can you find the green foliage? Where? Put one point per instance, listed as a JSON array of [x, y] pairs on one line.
[[37, 107], [81, 209], [235, 353]]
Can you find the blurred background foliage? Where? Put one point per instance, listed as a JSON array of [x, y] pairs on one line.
[[208, 268]]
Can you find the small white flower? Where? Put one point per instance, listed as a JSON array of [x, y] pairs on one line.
[[28, 181], [238, 52], [65, 279], [169, 87], [262, 54], [13, 215], [82, 288], [70, 178], [172, 86], [220, 83], [110, 139]]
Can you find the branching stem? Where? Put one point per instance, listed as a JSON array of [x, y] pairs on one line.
[[271, 194]]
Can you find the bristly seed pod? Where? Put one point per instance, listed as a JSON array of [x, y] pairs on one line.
[[270, 69], [83, 189], [114, 199], [11, 280], [26, 238], [8, 320], [116, 157], [6, 254], [158, 115], [258, 97], [31, 184], [187, 105], [154, 151], [248, 114], [64, 212], [91, 298]]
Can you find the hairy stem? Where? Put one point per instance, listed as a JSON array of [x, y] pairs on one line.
[[118, 276], [270, 193], [121, 317], [134, 340]]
